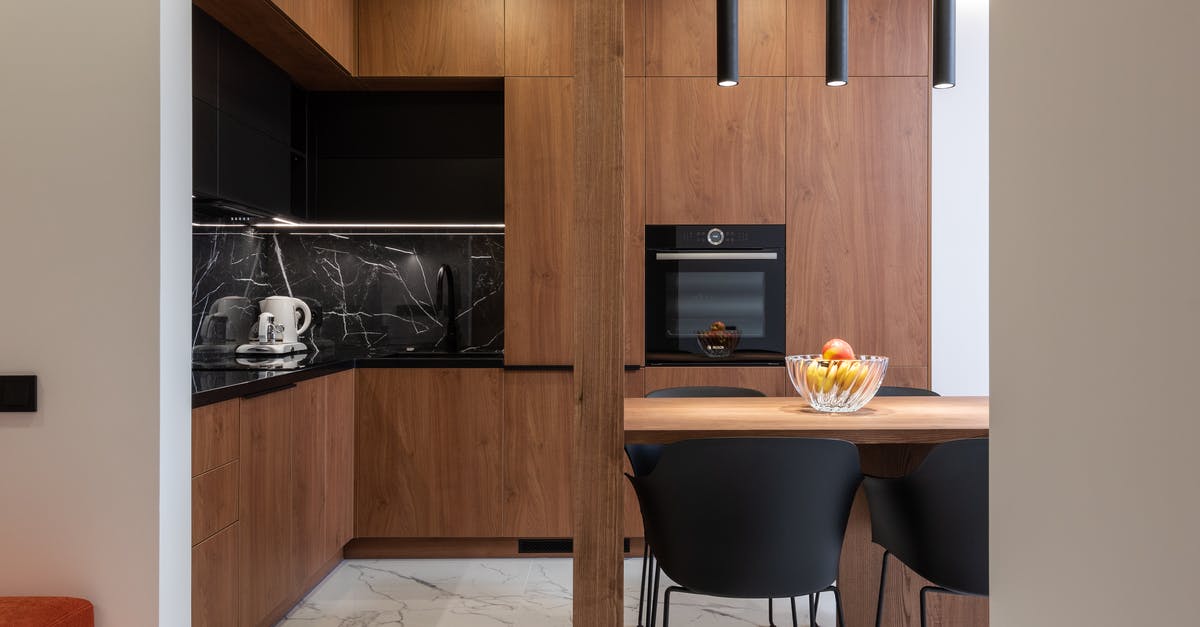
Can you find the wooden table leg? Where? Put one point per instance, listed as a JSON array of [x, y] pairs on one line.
[[861, 561]]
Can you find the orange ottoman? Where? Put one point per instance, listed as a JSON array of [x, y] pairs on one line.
[[45, 612]]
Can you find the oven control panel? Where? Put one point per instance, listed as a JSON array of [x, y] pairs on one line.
[[704, 237]]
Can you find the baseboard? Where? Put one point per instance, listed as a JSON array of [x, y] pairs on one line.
[[431, 548]]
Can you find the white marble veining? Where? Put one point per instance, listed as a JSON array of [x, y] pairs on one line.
[[498, 592]]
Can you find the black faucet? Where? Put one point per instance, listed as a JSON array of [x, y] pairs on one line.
[[445, 305]]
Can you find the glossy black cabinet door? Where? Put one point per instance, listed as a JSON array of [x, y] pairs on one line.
[[206, 181], [255, 169], [254, 91]]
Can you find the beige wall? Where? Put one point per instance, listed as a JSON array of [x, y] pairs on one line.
[[80, 258], [1095, 224]]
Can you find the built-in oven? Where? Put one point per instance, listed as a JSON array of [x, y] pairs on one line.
[[715, 294]]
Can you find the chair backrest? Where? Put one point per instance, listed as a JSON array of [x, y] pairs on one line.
[[895, 390], [936, 518], [703, 391], [643, 457], [750, 517]]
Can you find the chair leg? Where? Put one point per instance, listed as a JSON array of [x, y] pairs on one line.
[[794, 623], [837, 601], [667, 602], [812, 608], [771, 612], [882, 584], [654, 594], [642, 584]]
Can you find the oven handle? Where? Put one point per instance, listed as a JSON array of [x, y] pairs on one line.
[[738, 256]]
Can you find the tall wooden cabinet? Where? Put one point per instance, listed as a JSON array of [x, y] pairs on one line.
[[887, 37], [715, 155], [681, 40], [539, 149], [858, 217]]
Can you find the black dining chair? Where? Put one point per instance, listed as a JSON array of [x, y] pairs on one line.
[[935, 520], [712, 512], [894, 390], [642, 459]]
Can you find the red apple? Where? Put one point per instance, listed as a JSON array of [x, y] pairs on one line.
[[837, 349]]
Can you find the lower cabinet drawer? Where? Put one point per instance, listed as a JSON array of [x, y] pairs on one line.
[[215, 580], [214, 501]]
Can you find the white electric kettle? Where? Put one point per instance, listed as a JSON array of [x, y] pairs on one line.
[[292, 314]]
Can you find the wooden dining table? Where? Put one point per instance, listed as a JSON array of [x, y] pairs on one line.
[[893, 435]]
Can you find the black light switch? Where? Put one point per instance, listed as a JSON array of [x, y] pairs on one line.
[[18, 393]]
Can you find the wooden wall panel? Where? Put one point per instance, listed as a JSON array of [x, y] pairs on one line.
[[681, 38], [214, 435], [907, 376], [215, 583], [266, 559], [539, 136], [428, 445], [332, 24], [539, 37], [308, 477], [339, 461], [887, 37], [770, 380], [431, 37], [715, 155], [635, 221], [214, 501], [858, 217], [539, 408]]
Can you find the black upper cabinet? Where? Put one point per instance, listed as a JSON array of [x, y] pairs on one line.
[[254, 91], [206, 138], [246, 140], [206, 58], [406, 157]]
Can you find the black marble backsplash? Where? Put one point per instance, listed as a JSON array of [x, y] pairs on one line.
[[373, 291]]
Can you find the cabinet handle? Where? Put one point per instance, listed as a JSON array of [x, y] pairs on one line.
[[280, 388]]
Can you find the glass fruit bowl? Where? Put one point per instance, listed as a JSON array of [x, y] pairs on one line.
[[836, 385], [717, 343]]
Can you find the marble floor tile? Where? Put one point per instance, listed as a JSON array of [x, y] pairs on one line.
[[497, 592]]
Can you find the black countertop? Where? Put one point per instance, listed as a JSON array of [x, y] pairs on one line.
[[220, 378]]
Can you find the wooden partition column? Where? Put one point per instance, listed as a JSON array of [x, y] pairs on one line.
[[599, 287]]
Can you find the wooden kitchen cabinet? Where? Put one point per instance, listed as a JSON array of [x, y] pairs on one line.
[[770, 380], [339, 461], [635, 221], [681, 38], [538, 430], [332, 24], [308, 458], [715, 155], [267, 562], [539, 148], [539, 37], [428, 448], [539, 416], [858, 219], [887, 37], [430, 38], [215, 584]]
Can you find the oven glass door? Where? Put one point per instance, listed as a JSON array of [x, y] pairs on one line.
[[688, 291]]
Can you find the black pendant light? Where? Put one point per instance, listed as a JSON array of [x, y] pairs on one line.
[[943, 44], [837, 42], [727, 43]]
